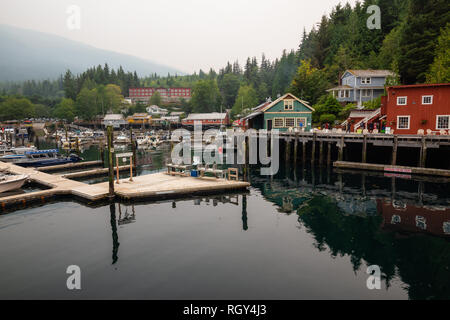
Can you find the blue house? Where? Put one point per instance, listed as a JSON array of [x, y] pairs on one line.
[[358, 86]]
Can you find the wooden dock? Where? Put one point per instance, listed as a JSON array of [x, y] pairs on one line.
[[153, 186], [391, 169]]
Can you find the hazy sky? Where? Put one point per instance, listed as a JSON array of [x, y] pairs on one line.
[[184, 34]]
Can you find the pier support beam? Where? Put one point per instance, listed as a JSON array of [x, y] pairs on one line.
[[296, 149], [303, 151], [110, 160], [364, 150], [313, 151], [394, 151], [329, 154], [423, 153], [341, 149], [287, 149], [321, 153]]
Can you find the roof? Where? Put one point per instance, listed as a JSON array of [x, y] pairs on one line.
[[340, 88], [371, 73], [110, 117], [140, 115], [252, 115], [261, 106], [420, 85], [206, 116], [264, 109]]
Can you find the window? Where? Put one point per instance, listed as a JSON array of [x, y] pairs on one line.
[[365, 93], [427, 99], [443, 122], [301, 122], [402, 101], [290, 122], [278, 122], [403, 122], [288, 104], [344, 94], [366, 80]]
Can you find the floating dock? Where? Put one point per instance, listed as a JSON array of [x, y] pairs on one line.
[[154, 186]]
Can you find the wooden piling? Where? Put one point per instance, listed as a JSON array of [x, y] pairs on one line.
[[296, 149], [133, 148], [321, 153], [303, 150], [423, 153], [313, 151], [110, 161], [287, 150], [364, 149], [329, 154], [394, 151], [341, 149]]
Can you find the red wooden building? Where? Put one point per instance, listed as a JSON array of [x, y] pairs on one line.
[[408, 109], [167, 94]]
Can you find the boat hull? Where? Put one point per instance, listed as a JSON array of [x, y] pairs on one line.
[[14, 184]]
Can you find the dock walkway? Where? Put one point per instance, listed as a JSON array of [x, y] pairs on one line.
[[152, 186]]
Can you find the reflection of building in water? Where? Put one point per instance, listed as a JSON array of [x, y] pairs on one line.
[[415, 218], [232, 199]]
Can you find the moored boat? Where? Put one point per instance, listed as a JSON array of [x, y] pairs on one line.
[[44, 158], [12, 182]]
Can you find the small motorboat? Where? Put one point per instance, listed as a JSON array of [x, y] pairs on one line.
[[12, 182], [15, 154], [44, 158]]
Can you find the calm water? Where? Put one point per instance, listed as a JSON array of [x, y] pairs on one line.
[[304, 234]]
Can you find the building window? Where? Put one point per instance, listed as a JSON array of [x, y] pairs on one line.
[[290, 122], [344, 94], [366, 80], [301, 122], [365, 93], [288, 104], [427, 99], [443, 122], [403, 122], [278, 122], [402, 101]]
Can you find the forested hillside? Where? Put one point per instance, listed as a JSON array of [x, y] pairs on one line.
[[413, 41]]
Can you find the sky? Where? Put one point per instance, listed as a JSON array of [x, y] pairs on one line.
[[185, 34]]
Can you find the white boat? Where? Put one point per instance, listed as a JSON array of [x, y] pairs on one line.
[[12, 182]]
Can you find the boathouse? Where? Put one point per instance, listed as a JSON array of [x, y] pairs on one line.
[[417, 109], [207, 119], [286, 113]]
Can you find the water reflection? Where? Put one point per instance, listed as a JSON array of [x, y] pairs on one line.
[[399, 223]]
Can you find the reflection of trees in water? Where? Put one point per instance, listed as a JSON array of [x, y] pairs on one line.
[[422, 262]]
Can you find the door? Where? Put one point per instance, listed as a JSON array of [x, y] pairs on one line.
[[269, 125]]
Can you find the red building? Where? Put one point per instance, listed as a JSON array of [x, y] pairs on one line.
[[408, 109], [168, 95]]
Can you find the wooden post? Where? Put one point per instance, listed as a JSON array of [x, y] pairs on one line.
[[287, 150], [313, 151], [304, 151], [133, 148], [394, 151], [117, 170], [110, 164], [364, 149], [329, 154], [341, 149], [131, 169], [321, 153], [246, 155], [423, 153], [296, 149]]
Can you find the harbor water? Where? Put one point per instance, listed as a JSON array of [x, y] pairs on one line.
[[302, 234]]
